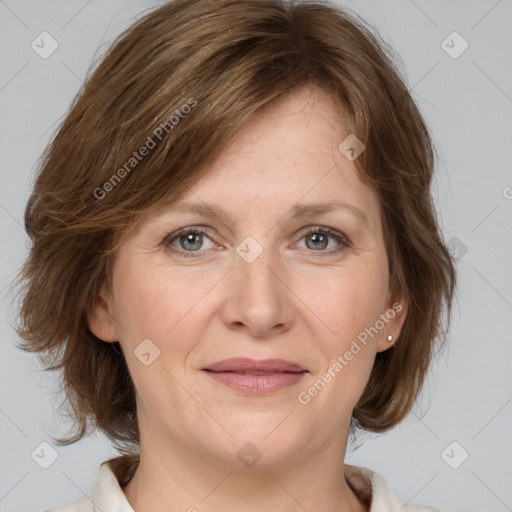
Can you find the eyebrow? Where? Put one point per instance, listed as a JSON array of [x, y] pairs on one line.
[[298, 211]]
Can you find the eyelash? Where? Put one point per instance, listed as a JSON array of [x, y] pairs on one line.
[[340, 238]]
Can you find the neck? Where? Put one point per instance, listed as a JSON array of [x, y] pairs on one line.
[[180, 478]]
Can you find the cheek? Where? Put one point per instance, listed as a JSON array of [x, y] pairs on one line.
[[168, 308], [345, 300], [356, 305], [162, 304]]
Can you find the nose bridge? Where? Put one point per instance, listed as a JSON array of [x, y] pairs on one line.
[[259, 298], [257, 268]]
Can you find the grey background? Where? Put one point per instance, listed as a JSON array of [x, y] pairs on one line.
[[467, 102]]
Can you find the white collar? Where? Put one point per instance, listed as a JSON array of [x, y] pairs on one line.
[[108, 495]]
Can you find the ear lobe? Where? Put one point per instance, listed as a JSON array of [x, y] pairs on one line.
[[396, 313], [100, 321]]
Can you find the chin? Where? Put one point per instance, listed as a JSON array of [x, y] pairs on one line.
[[255, 441]]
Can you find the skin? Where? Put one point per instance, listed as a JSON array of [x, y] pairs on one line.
[[297, 301]]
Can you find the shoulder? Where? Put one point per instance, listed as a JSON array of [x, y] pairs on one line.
[[374, 490], [107, 494]]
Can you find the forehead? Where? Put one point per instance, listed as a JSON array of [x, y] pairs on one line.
[[286, 154], [284, 162]]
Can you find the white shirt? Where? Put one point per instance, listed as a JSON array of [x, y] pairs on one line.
[[108, 496]]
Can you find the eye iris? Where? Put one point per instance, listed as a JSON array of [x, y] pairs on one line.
[[189, 239], [317, 238]]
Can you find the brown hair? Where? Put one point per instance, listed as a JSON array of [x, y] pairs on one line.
[[224, 59]]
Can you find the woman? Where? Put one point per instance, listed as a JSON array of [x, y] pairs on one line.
[[236, 261]]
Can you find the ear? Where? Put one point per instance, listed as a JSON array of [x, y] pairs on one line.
[[393, 317], [99, 318]]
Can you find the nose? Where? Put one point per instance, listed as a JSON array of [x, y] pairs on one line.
[[258, 299]]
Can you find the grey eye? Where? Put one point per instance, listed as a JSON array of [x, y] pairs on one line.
[[318, 241]]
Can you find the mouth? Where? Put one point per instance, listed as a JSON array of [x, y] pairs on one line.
[[249, 376], [246, 365]]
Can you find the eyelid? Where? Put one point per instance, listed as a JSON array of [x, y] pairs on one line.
[[341, 238], [203, 230], [188, 229]]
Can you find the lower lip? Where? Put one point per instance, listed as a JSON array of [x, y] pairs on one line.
[[257, 384]]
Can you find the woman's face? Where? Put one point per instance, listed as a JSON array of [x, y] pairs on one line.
[[292, 267]]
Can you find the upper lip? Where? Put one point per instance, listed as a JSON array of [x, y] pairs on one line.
[[244, 364]]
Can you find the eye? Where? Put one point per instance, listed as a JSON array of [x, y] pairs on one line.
[[318, 238], [188, 240]]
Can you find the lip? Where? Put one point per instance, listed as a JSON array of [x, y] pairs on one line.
[[245, 364], [256, 377]]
